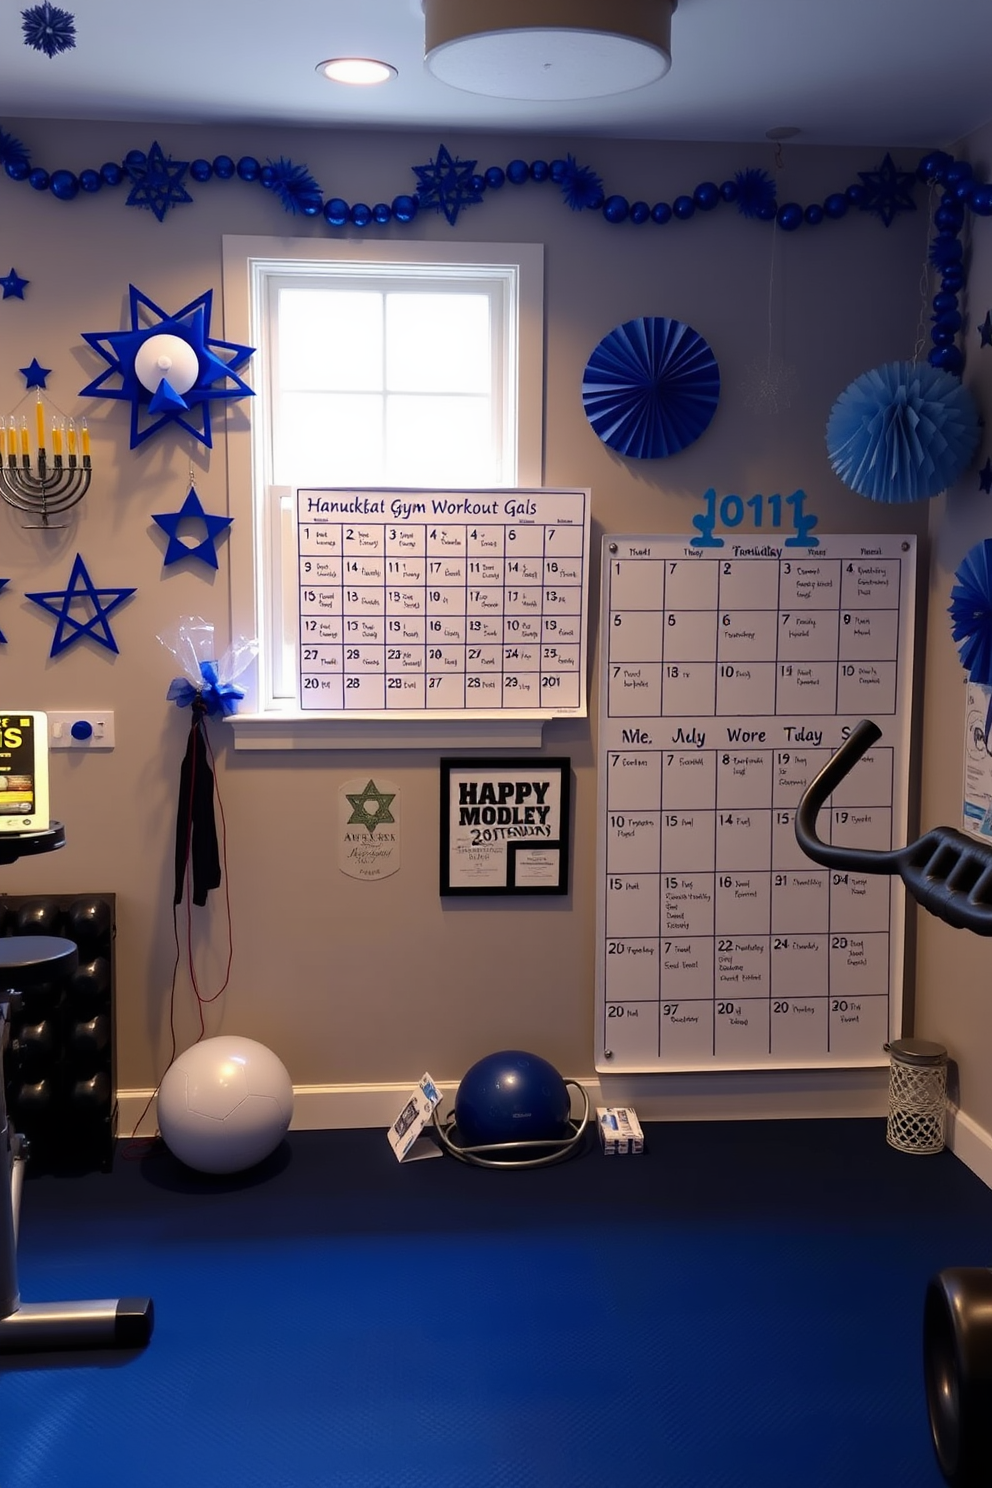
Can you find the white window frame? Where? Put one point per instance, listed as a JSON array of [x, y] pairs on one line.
[[264, 720]]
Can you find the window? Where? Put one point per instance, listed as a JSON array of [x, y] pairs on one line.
[[376, 365]]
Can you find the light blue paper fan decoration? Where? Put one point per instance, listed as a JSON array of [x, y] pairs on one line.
[[902, 432], [650, 387], [971, 612]]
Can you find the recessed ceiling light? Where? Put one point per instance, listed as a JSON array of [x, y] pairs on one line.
[[359, 71]]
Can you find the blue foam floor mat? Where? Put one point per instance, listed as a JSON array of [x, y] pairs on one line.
[[739, 1306]]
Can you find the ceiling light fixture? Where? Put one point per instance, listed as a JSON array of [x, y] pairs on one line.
[[361, 72], [548, 50]]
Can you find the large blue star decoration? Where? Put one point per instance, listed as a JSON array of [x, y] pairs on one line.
[[48, 29], [889, 190], [34, 374], [192, 510], [985, 329], [13, 285], [448, 184], [3, 638], [157, 181], [96, 605], [985, 477], [164, 404]]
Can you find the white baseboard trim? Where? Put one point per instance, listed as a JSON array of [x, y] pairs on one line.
[[677, 1098]]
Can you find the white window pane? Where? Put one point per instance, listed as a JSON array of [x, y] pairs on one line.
[[328, 440], [439, 442], [330, 339], [437, 343]]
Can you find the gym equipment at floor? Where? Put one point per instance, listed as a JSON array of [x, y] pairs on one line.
[[122, 1322], [950, 874], [513, 1110], [225, 1104]]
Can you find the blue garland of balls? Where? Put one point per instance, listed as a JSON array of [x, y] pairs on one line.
[[449, 185]]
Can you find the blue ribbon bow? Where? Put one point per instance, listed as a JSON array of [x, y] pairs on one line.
[[215, 696]]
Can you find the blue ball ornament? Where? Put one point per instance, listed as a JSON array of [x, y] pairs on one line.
[[540, 170], [941, 335], [661, 213], [947, 358], [111, 173], [249, 168], [814, 214], [202, 170], [382, 213], [639, 212], [706, 196], [616, 209], [336, 212], [39, 179], [930, 165], [17, 170], [949, 320], [136, 159], [981, 201], [835, 205], [789, 216], [952, 278], [64, 185], [495, 176], [943, 301], [683, 207], [517, 172], [404, 208], [311, 206], [766, 211], [267, 175], [224, 167], [730, 191], [949, 216], [965, 190], [90, 180], [857, 195], [958, 170], [559, 169], [360, 214]]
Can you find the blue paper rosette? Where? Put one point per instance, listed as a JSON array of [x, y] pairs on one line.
[[902, 432], [651, 387], [971, 612]]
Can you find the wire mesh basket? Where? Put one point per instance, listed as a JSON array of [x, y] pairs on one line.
[[917, 1095]]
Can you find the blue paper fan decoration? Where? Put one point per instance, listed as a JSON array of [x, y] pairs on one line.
[[651, 387], [971, 612], [902, 432]]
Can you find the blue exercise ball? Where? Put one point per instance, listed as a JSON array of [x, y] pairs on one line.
[[512, 1096]]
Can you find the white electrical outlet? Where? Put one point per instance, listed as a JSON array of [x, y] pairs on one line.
[[84, 728]]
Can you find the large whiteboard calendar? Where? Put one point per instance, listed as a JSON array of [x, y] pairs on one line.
[[728, 677], [443, 602]]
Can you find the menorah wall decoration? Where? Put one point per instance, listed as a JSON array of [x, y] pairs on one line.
[[46, 487]]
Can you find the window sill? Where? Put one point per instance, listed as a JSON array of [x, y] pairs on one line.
[[296, 731]]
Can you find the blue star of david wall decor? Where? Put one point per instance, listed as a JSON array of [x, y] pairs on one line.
[[206, 549], [170, 371], [80, 590], [448, 184], [889, 190], [157, 180]]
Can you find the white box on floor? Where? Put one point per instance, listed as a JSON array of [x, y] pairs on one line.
[[619, 1130]]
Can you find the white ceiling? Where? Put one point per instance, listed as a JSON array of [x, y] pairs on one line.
[[869, 72]]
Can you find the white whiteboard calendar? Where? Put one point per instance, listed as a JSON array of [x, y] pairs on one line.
[[728, 677], [443, 602]]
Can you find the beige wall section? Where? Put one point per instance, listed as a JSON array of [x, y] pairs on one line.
[[954, 993], [353, 982]]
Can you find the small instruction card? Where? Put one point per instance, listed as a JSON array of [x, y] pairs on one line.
[[406, 1133]]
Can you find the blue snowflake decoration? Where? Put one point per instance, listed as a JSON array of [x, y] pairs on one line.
[[157, 181], [580, 186], [651, 387], [971, 612], [98, 605], [755, 192], [48, 29], [945, 251], [294, 186], [12, 152], [902, 432], [206, 549], [448, 184], [190, 324], [889, 190]]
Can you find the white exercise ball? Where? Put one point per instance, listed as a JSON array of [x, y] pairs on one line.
[[225, 1104]]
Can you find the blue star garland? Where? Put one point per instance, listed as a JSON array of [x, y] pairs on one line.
[[13, 285], [80, 589], [206, 549], [190, 324], [49, 29], [158, 182], [448, 184], [889, 190], [34, 375]]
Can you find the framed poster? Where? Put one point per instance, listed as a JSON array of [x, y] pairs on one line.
[[504, 826]]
